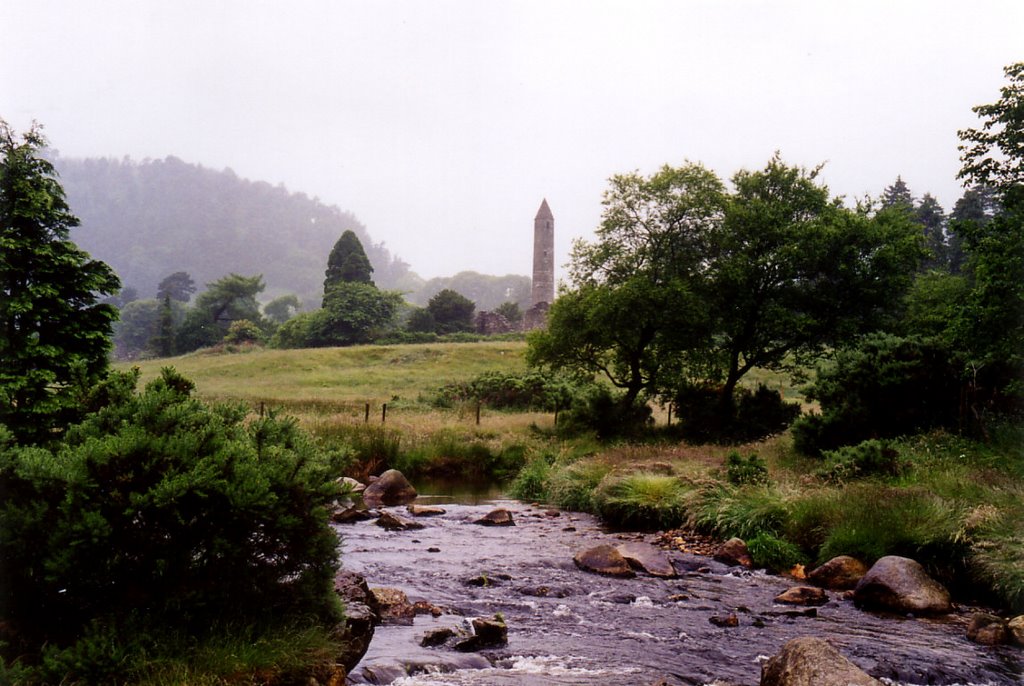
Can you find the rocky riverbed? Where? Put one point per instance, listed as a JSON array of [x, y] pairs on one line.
[[710, 624]]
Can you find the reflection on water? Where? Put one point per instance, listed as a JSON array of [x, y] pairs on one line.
[[456, 491]]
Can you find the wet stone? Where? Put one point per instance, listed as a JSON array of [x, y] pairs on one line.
[[499, 517], [728, 621], [392, 522], [802, 595]]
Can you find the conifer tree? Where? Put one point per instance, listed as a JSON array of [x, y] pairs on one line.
[[54, 332], [347, 263]]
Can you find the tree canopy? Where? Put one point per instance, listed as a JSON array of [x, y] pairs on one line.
[[53, 331], [688, 283]]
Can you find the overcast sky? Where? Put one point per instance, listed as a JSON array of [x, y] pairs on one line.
[[442, 125]]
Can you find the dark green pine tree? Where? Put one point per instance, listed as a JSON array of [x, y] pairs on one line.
[[54, 333], [347, 263], [976, 207], [898, 195], [930, 215]]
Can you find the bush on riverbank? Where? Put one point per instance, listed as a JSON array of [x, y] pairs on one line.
[[160, 520]]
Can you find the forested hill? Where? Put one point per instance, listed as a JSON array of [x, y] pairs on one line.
[[152, 218]]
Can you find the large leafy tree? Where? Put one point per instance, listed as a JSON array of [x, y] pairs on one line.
[[347, 263], [990, 327], [53, 331], [791, 271], [635, 306]]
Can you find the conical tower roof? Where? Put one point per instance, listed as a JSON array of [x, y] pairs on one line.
[[544, 212]]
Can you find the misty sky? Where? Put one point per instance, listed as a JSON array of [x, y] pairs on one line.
[[442, 125]]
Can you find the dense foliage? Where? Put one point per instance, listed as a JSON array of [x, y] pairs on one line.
[[54, 334], [159, 513], [347, 263], [688, 286]]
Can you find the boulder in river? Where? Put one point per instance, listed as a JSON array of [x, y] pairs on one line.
[[348, 515], [1016, 627], [899, 584], [361, 617], [393, 606], [734, 552], [839, 574], [603, 559], [487, 633], [812, 661], [646, 557], [988, 629], [802, 595], [391, 488], [393, 522], [499, 517]]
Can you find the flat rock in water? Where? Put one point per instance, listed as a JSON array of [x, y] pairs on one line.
[[839, 574], [425, 510], [899, 584], [393, 522], [802, 595], [646, 557], [499, 517], [812, 661], [391, 488], [603, 559], [348, 515]]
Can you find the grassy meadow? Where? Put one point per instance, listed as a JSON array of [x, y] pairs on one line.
[[954, 504]]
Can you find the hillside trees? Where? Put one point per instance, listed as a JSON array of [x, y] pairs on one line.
[[54, 334]]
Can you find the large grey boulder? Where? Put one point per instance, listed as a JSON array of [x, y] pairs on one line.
[[899, 584], [812, 661], [391, 488], [603, 559]]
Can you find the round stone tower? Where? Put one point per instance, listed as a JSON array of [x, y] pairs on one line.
[[543, 256]]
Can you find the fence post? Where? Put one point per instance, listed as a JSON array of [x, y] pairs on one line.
[[669, 415], [383, 413], [366, 420], [478, 414]]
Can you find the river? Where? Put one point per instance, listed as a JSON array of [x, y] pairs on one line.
[[566, 626]]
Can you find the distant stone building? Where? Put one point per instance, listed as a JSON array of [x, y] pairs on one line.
[[543, 292]]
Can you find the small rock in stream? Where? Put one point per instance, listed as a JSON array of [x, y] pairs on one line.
[[425, 510], [436, 637], [499, 517], [802, 595], [728, 621], [392, 522], [812, 661]]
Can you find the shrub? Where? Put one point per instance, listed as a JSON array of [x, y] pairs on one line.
[[740, 472], [572, 487], [531, 390], [243, 331], [642, 500], [597, 409], [884, 387], [754, 416], [160, 504], [531, 482], [870, 458], [775, 554], [745, 512]]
